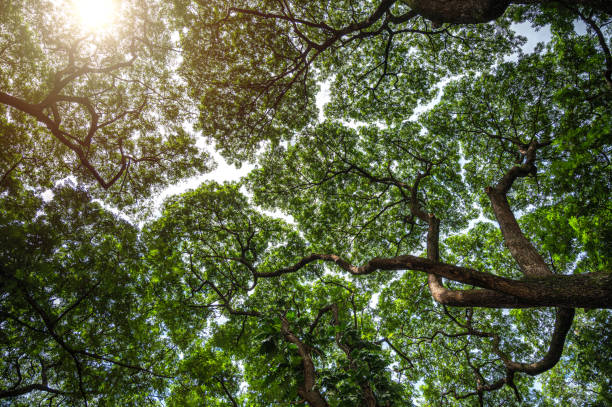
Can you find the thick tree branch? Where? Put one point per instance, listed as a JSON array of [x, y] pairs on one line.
[[36, 111], [563, 323], [588, 290], [441, 294], [20, 391], [307, 389], [527, 257]]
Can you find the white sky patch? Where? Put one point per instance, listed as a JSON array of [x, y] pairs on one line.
[[374, 300], [91, 16], [534, 37], [323, 98], [48, 195], [426, 107], [221, 319], [224, 172], [95, 15]]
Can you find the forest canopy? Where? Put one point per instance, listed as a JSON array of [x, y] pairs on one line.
[[439, 235]]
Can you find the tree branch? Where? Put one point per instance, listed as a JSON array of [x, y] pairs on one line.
[[307, 389], [527, 257], [563, 323], [20, 391], [590, 290]]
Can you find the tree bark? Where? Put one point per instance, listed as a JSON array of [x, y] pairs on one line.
[[307, 389], [459, 11], [588, 290], [603, 6], [527, 257], [483, 11]]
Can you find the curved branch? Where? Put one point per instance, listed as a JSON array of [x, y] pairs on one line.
[[588, 290], [603, 44], [36, 111], [20, 391], [307, 389], [563, 322], [529, 260]]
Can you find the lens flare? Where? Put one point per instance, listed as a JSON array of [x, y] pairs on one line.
[[95, 14]]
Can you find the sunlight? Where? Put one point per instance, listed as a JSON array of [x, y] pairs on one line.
[[95, 14]]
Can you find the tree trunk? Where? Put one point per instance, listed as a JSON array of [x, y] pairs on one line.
[[459, 11], [603, 6], [527, 257], [483, 11], [307, 389]]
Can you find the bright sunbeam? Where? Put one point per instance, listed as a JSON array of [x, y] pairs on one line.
[[95, 14]]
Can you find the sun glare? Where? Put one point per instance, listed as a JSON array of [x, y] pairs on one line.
[[95, 14]]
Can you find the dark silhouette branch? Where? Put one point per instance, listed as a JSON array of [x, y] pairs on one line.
[[20, 391], [226, 391], [602, 43]]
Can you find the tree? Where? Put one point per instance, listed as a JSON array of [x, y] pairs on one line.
[[362, 198], [254, 66], [77, 323], [104, 107], [444, 256]]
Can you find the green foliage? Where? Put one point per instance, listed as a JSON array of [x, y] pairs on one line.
[[337, 184], [226, 297], [583, 376], [255, 78], [75, 307], [113, 95]]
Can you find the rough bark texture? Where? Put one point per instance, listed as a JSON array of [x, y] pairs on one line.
[[526, 256], [588, 290], [604, 6], [483, 11], [307, 389], [459, 11]]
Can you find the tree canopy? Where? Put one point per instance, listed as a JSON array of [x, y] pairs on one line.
[[104, 107], [439, 236]]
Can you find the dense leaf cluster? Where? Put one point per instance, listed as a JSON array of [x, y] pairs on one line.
[[440, 236]]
